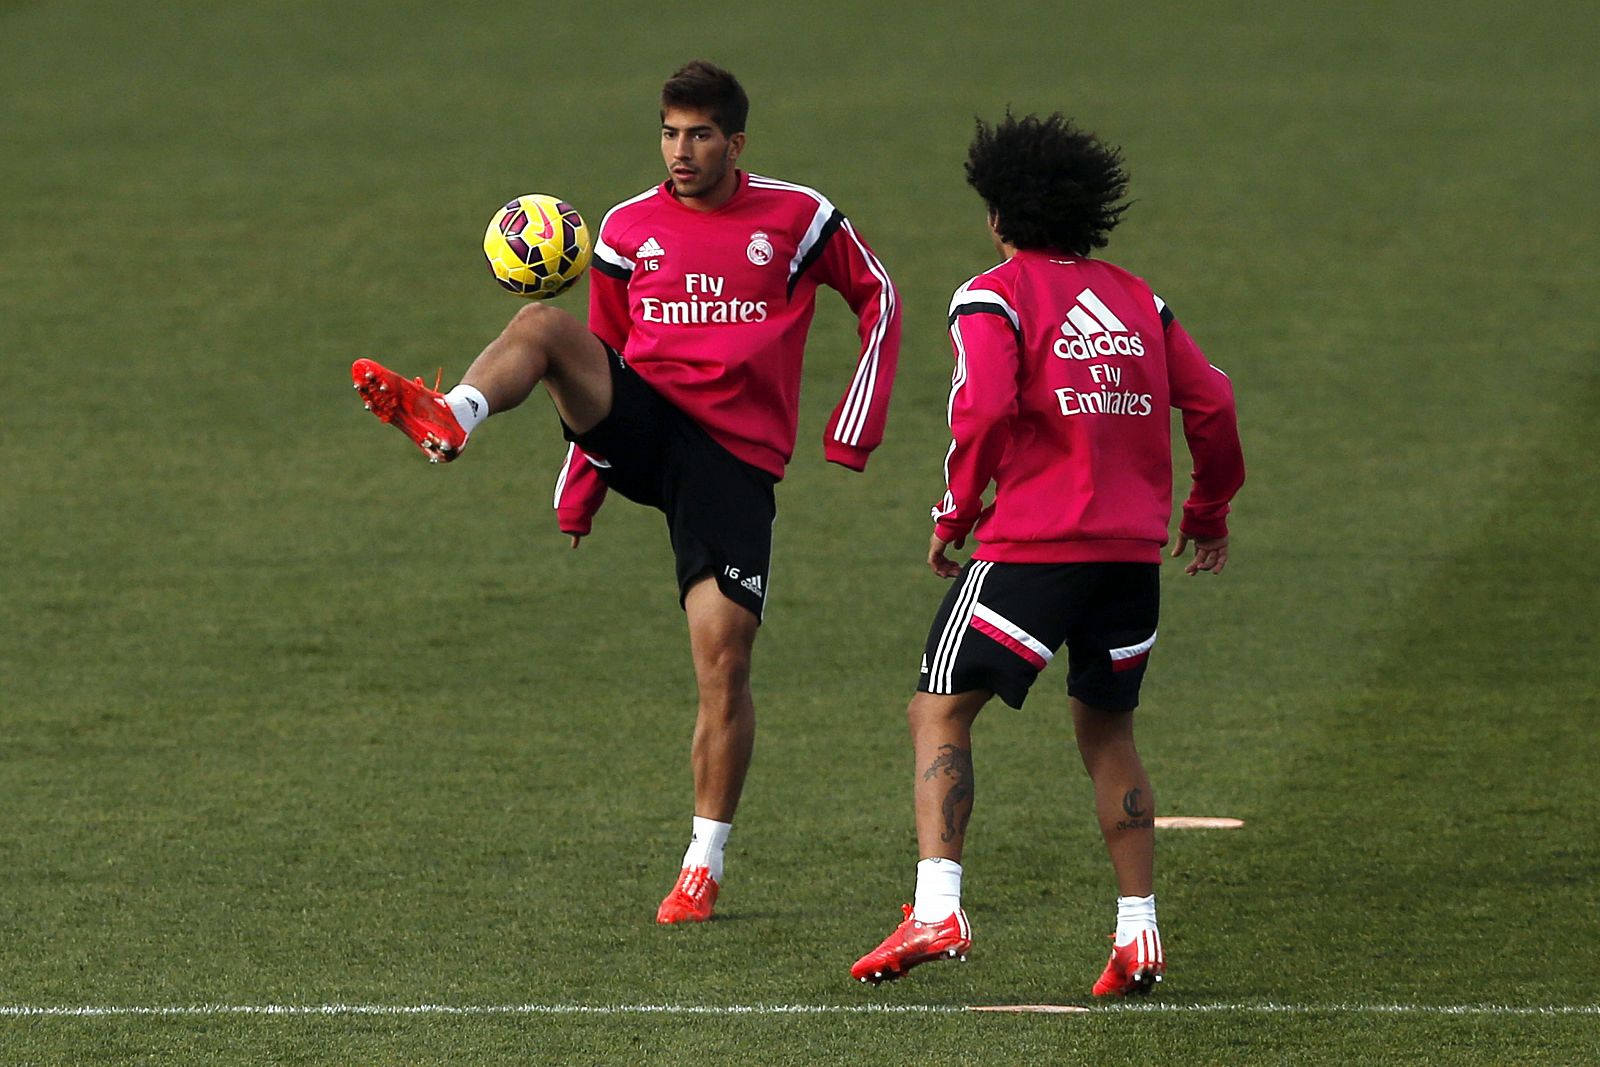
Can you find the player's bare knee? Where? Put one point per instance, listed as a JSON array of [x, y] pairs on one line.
[[1099, 726], [535, 322], [548, 329], [928, 709], [725, 699], [730, 668], [556, 337], [722, 663]]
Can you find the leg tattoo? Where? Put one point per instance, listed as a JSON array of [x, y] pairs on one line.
[[957, 763], [1138, 814]]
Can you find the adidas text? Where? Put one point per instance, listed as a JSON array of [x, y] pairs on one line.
[[1091, 330], [1101, 344]]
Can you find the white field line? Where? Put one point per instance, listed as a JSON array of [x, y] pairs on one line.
[[18, 1011], [1157, 1008], [89, 1011]]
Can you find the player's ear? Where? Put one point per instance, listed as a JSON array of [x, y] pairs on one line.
[[735, 146], [994, 232]]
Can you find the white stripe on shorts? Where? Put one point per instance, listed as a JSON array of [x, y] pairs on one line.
[[941, 674], [1015, 632], [1135, 650]]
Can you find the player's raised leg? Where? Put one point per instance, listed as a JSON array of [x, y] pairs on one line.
[[722, 638], [539, 344], [935, 927], [1126, 807], [545, 344]]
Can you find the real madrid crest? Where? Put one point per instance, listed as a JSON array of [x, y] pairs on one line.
[[760, 250]]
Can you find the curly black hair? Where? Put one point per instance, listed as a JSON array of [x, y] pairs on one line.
[[1049, 184]]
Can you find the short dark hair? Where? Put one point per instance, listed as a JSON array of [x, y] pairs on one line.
[[1049, 184], [707, 87]]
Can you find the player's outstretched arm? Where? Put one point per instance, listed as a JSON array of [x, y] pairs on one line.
[[1210, 553]]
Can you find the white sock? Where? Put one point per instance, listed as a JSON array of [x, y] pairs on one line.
[[706, 845], [1135, 915], [468, 406], [938, 890]]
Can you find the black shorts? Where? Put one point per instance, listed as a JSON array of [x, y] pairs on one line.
[[719, 509], [1001, 624]]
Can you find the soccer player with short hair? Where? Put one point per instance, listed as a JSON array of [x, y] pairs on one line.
[[1066, 368], [683, 394]]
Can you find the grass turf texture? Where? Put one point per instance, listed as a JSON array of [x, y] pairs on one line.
[[290, 717]]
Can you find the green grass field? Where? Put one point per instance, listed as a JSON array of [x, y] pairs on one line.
[[288, 717]]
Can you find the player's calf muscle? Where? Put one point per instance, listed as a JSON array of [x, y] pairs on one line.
[[953, 765]]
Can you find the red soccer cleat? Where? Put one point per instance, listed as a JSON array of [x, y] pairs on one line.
[[913, 943], [691, 899], [419, 412], [1134, 968]]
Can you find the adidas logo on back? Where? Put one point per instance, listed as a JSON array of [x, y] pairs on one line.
[[650, 249], [1092, 330]]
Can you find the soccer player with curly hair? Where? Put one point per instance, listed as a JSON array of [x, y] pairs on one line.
[[1066, 369]]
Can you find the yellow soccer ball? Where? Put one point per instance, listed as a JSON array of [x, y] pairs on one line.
[[537, 246]]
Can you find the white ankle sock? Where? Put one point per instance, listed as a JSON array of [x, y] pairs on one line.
[[1135, 915], [938, 890], [468, 406], [706, 845]]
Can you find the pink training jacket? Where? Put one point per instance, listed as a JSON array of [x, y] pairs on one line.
[[1065, 370], [711, 308]]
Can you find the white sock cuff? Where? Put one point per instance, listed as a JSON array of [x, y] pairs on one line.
[[1134, 916], [938, 889], [468, 405], [707, 844], [714, 833]]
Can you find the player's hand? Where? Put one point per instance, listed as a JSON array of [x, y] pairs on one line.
[[943, 565], [576, 538], [1210, 553]]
